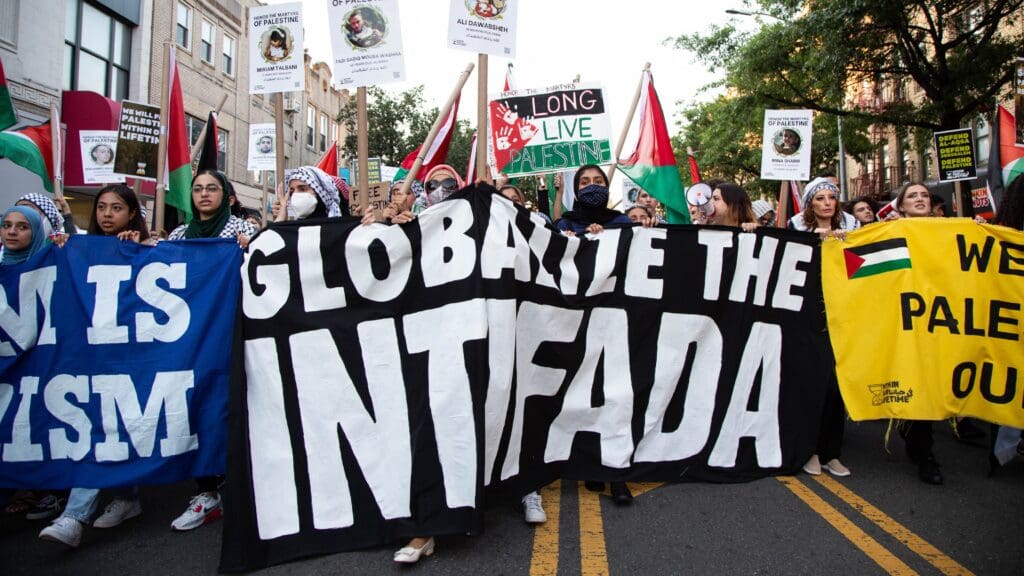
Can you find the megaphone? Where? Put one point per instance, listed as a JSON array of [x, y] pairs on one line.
[[699, 195]]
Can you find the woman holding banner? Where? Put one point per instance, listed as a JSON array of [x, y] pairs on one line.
[[590, 212], [731, 207], [821, 213], [311, 194], [211, 211], [117, 212]]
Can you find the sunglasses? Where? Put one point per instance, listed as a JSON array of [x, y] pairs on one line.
[[447, 184]]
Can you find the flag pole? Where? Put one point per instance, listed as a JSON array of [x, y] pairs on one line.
[[263, 205], [783, 208], [481, 117], [56, 144], [363, 150], [442, 115], [278, 152], [161, 155], [202, 133], [629, 122]]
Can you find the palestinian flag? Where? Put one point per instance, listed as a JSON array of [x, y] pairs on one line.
[[8, 117], [208, 150], [876, 258], [178, 174], [886, 210], [653, 164], [437, 152], [31, 148], [1006, 158], [329, 161]]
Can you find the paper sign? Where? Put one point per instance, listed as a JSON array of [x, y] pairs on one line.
[[98, 148], [275, 49], [786, 149], [262, 152], [367, 41], [483, 27], [138, 139]]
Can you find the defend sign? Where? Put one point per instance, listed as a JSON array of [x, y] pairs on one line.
[[955, 152], [556, 128]]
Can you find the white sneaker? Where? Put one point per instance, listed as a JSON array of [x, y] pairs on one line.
[[202, 509], [64, 530], [533, 510], [118, 511]]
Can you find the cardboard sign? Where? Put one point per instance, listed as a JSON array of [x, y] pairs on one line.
[[786, 145], [954, 150], [483, 27], [275, 49], [138, 140], [366, 38], [551, 129], [98, 148], [262, 150]]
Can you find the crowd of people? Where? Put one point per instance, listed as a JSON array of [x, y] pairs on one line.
[[36, 220]]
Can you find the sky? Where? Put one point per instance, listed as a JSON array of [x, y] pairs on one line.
[[600, 40]]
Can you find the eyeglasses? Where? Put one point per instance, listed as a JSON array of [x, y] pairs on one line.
[[209, 188], [447, 184]]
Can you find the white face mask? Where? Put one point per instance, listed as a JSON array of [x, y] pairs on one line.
[[303, 204]]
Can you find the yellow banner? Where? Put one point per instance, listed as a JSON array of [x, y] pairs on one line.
[[925, 319]]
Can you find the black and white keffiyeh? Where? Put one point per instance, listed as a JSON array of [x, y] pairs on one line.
[[48, 207], [321, 183]]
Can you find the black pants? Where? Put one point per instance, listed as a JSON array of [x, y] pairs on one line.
[[208, 483], [833, 421], [918, 436]]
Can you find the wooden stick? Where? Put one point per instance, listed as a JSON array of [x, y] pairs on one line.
[[481, 119], [362, 149], [784, 196], [441, 116], [161, 154], [278, 150], [202, 133], [629, 122], [263, 206], [57, 149]]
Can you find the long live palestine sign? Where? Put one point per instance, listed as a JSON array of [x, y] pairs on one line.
[[394, 372]]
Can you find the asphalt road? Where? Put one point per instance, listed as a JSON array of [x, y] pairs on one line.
[[880, 520]]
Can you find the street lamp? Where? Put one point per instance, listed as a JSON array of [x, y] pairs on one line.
[[750, 13]]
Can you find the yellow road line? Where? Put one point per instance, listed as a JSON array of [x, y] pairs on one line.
[[858, 537], [593, 557], [545, 536], [930, 553], [638, 488]]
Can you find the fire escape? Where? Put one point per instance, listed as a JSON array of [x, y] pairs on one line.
[[879, 179]]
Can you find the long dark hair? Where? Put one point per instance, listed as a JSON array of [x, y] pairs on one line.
[[135, 223], [1011, 208], [736, 198]]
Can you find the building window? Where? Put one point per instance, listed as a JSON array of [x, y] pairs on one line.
[[310, 125], [982, 141], [195, 127], [229, 55], [9, 23], [97, 51], [323, 132], [183, 28], [208, 33], [334, 131]]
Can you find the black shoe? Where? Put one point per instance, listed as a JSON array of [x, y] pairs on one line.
[[966, 430], [929, 473], [621, 494], [594, 486]]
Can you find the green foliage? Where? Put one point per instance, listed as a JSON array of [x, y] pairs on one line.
[[398, 123]]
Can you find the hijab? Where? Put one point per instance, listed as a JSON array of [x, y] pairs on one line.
[[53, 216], [321, 183], [211, 228], [38, 236]]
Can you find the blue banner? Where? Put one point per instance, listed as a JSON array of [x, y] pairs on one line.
[[114, 362]]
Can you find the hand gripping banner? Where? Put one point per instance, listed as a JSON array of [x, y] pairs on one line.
[[391, 373]]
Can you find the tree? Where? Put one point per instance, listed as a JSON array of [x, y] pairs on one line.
[[398, 123], [817, 53]]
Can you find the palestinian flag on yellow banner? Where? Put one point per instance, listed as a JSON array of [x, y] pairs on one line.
[[876, 258]]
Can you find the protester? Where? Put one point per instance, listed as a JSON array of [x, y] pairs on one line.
[[732, 207], [938, 206], [590, 212], [821, 213], [56, 219], [914, 201], [764, 212], [211, 217], [311, 194], [1011, 208], [116, 212], [863, 210], [440, 183], [640, 214], [651, 203], [23, 235]]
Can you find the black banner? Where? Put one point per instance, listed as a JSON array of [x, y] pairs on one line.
[[391, 373]]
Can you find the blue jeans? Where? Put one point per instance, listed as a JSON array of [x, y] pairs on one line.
[[82, 502]]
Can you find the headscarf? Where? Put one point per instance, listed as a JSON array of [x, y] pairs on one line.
[[817, 185], [38, 236], [342, 186], [53, 216], [761, 207], [211, 228], [438, 194], [321, 183]]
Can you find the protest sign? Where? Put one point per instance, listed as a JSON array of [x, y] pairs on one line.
[[483, 27], [262, 138], [551, 129], [138, 138], [383, 390], [366, 38], [1018, 101], [944, 334], [954, 150], [98, 148], [374, 168], [786, 145], [276, 49], [113, 370], [983, 203]]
